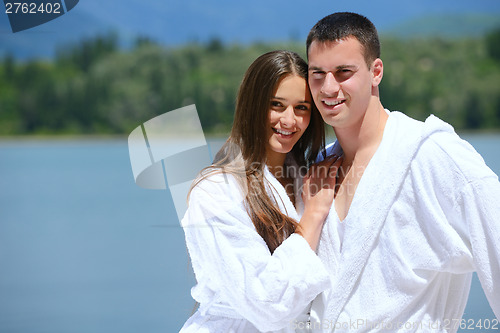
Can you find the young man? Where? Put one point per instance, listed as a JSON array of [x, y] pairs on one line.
[[417, 210]]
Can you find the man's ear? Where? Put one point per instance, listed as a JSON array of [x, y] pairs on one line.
[[377, 71]]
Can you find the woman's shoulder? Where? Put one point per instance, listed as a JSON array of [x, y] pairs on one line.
[[219, 185], [215, 196]]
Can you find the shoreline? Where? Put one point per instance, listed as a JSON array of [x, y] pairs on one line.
[[122, 138]]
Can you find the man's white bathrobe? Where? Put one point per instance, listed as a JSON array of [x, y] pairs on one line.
[[425, 215], [241, 287]]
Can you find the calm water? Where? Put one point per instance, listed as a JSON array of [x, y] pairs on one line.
[[83, 249]]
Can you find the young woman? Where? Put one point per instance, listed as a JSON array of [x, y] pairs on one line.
[[252, 225]]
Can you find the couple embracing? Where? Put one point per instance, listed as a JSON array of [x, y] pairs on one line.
[[385, 225]]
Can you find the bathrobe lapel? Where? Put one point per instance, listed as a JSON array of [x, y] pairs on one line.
[[378, 188], [278, 192]]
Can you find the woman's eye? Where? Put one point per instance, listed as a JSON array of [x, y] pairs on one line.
[[302, 107], [276, 104]]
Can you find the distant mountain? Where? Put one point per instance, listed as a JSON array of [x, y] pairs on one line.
[[174, 22], [448, 26]]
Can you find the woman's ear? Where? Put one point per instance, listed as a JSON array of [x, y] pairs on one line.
[[377, 71]]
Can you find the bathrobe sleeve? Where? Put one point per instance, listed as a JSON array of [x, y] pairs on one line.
[[226, 250], [476, 213], [481, 209]]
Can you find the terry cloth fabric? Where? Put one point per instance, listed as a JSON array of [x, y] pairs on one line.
[[425, 215], [241, 286]]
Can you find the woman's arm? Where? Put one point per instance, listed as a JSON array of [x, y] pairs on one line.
[[317, 194], [232, 259]]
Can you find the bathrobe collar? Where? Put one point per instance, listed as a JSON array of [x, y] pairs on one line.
[[379, 188], [276, 190]]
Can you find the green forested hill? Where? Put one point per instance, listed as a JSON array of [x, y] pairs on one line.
[[95, 88]]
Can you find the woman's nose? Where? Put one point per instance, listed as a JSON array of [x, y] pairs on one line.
[[288, 117]]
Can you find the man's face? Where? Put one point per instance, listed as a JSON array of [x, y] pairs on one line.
[[340, 81]]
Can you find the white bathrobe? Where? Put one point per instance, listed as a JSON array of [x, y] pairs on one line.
[[425, 215], [241, 287]]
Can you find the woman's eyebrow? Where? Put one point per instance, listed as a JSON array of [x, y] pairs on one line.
[[284, 99]]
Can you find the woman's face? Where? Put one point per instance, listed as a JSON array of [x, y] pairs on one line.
[[289, 114]]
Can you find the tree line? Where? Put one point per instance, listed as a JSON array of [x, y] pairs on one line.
[[96, 87]]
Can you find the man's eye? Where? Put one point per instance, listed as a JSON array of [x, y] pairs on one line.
[[318, 74], [346, 72]]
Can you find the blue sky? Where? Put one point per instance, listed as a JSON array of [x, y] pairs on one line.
[[177, 22]]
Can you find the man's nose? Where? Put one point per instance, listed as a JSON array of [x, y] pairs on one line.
[[330, 85]]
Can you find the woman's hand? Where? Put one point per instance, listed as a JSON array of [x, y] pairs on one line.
[[317, 193], [319, 185]]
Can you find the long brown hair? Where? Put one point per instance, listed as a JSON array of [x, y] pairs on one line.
[[244, 153]]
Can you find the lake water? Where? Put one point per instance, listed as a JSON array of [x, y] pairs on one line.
[[83, 249]]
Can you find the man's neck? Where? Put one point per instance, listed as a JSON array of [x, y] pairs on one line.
[[364, 137]]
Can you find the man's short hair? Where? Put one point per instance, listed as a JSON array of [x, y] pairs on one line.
[[339, 26]]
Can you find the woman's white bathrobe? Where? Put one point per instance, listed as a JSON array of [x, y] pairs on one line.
[[241, 287], [425, 215]]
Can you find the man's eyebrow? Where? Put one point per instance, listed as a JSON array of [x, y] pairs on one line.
[[346, 66], [316, 68]]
